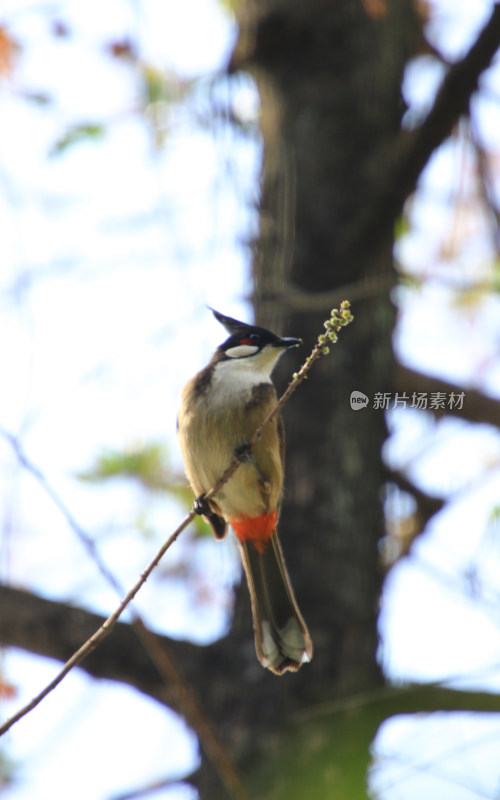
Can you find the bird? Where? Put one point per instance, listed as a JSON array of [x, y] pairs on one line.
[[220, 409]]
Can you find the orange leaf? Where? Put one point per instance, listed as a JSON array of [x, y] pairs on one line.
[[8, 50], [7, 690]]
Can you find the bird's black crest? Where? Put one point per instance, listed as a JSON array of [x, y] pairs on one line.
[[242, 333], [232, 326], [241, 330]]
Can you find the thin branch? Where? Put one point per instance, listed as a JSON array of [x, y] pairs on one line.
[[192, 711], [413, 150], [155, 786], [101, 633], [486, 182], [333, 326], [87, 541], [164, 662]]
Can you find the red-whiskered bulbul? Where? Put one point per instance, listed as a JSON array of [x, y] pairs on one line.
[[220, 410]]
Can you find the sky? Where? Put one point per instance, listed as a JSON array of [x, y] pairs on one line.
[[110, 254]]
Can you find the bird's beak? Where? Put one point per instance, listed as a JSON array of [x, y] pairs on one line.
[[287, 341]]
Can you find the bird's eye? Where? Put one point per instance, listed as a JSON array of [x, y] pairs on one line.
[[251, 339]]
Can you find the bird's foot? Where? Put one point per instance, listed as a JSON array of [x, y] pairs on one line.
[[201, 507], [243, 452]]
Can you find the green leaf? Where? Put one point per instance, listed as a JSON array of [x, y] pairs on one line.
[[76, 134], [148, 464], [401, 227]]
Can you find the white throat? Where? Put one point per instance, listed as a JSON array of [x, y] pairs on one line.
[[234, 379]]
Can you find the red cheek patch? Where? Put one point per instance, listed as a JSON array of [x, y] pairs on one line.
[[257, 530]]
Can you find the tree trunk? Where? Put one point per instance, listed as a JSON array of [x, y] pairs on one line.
[[329, 76]]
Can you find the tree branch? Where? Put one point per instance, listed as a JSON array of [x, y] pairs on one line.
[[161, 656], [477, 407], [413, 150], [56, 630], [410, 155], [411, 698], [53, 629], [428, 505]]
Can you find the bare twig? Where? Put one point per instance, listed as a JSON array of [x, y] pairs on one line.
[[158, 654], [87, 541], [166, 666], [105, 629]]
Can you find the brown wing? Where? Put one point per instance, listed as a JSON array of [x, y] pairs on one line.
[[281, 437], [268, 451]]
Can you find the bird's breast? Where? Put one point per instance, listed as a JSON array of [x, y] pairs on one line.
[[212, 424]]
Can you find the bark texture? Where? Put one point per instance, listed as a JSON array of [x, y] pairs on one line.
[[329, 77]]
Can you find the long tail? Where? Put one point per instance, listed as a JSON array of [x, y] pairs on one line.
[[282, 640]]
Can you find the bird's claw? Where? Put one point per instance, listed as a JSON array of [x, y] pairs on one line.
[[243, 452], [201, 507]]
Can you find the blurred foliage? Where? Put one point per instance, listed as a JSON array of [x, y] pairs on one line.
[[8, 770], [9, 49], [401, 227], [147, 463], [77, 133], [149, 466], [494, 518], [38, 98], [161, 91]]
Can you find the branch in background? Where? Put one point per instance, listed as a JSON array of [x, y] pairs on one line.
[[427, 504], [411, 698], [372, 286], [160, 654], [87, 541], [413, 150], [299, 300], [156, 786], [55, 630], [50, 629], [402, 529], [477, 407], [486, 183]]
